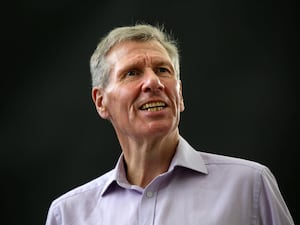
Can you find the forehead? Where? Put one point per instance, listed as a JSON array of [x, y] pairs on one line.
[[134, 51]]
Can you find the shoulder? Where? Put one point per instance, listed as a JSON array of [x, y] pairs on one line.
[[222, 160], [233, 165], [86, 192], [221, 164], [238, 172]]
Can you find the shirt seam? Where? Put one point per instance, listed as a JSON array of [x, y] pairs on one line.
[[257, 193], [257, 167], [75, 193]]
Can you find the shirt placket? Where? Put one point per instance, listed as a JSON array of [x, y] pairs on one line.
[[148, 205]]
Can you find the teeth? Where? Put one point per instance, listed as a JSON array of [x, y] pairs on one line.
[[154, 109], [153, 106]]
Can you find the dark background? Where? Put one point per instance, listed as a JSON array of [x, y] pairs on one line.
[[239, 83]]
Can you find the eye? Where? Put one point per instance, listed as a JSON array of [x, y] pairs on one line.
[[163, 71], [131, 73]]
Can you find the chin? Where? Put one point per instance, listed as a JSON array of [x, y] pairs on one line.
[[159, 130]]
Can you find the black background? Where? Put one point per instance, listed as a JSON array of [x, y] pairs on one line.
[[239, 83]]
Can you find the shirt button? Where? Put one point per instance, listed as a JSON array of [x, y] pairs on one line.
[[149, 194]]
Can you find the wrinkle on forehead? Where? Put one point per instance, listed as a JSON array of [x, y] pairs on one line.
[[133, 53]]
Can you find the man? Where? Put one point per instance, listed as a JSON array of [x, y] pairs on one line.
[[159, 178]]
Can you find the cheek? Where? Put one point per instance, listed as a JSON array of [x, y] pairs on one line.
[[175, 93], [120, 97], [178, 101]]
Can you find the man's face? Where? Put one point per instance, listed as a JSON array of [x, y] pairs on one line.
[[143, 97]]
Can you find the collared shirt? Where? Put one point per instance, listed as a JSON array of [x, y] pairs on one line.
[[198, 189]]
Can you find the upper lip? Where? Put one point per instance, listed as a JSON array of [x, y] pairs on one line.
[[153, 103]]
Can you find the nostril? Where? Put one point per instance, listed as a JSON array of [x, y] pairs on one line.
[[151, 81], [153, 86]]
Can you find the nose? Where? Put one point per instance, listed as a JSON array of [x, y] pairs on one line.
[[151, 82]]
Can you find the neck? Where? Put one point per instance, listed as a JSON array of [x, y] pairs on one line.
[[146, 159]]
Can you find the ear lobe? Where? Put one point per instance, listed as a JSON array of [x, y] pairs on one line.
[[98, 98]]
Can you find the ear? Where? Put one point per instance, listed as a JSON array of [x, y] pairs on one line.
[[181, 97], [98, 98]]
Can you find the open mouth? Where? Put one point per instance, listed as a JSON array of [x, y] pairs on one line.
[[153, 106]]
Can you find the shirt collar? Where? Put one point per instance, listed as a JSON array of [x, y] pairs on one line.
[[185, 156]]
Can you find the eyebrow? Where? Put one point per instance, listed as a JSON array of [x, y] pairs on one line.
[[132, 65], [165, 63], [136, 63]]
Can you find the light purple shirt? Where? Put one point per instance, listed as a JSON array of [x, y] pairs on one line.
[[198, 189]]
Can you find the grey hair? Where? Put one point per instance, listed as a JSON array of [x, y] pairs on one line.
[[100, 69]]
